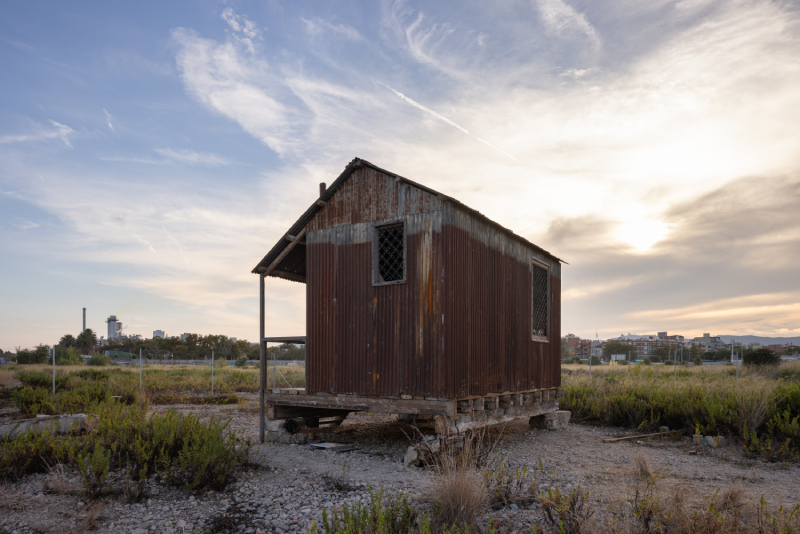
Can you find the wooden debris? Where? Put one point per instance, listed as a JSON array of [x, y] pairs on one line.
[[612, 440]]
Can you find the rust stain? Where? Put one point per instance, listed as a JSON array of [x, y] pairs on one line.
[[458, 326]]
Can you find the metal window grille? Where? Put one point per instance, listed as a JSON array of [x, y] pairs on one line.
[[539, 315], [391, 253]]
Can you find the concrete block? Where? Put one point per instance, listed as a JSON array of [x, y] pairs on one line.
[[557, 420], [275, 425], [57, 424], [283, 438]]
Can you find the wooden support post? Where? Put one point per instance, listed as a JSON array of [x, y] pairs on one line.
[[464, 406], [517, 398], [262, 353]]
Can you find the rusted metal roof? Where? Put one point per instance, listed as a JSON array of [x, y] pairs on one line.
[[293, 263]]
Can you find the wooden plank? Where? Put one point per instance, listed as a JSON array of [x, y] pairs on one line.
[[287, 412], [372, 404], [612, 440]]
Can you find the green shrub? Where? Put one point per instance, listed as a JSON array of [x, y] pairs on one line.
[[669, 362], [42, 380], [34, 452], [647, 361], [98, 359], [66, 356], [698, 360], [34, 401], [94, 470], [241, 361], [38, 355], [383, 515], [181, 448], [92, 374], [762, 356]]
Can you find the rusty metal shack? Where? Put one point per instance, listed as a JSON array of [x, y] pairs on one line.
[[416, 304]]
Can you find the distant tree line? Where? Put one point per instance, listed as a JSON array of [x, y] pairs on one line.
[[194, 347]]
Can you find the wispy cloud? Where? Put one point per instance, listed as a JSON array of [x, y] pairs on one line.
[[26, 225], [108, 119], [563, 20], [190, 157], [59, 131], [317, 27], [133, 159], [445, 119], [245, 30]]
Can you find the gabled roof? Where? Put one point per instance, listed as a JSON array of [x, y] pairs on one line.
[[297, 229]]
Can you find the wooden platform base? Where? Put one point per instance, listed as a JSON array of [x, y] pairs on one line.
[[445, 416]]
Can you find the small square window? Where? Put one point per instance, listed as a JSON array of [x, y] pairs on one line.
[[390, 260], [540, 316]]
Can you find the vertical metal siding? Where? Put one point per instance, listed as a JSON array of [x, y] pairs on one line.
[[458, 326]]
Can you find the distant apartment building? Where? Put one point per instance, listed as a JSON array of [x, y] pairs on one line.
[[159, 333], [185, 335], [708, 343], [646, 346], [576, 346]]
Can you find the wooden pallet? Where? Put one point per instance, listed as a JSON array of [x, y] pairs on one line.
[[444, 415]]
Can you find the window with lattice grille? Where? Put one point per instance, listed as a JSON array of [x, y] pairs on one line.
[[391, 254], [540, 316]]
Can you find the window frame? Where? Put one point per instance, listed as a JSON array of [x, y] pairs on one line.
[[534, 337], [397, 221]]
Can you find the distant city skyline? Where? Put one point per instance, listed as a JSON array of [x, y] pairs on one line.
[[150, 155]]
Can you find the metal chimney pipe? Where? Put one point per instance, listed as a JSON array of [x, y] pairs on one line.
[[322, 188], [84, 320]]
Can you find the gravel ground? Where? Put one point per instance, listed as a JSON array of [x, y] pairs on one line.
[[285, 488]]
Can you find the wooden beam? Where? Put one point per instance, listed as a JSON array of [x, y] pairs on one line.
[[284, 252], [287, 412], [360, 404], [613, 440]]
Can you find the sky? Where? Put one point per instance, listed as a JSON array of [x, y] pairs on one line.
[[151, 153]]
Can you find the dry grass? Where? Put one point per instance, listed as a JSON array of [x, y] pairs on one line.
[[752, 409], [460, 493], [11, 500], [90, 521], [8, 378], [642, 469], [58, 481]]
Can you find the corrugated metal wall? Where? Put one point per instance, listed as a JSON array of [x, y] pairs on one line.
[[460, 325]]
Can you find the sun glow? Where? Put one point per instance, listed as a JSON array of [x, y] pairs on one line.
[[642, 234]]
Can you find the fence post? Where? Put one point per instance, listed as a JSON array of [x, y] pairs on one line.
[[212, 373], [140, 368], [54, 373]]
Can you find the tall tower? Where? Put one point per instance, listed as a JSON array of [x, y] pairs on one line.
[[114, 327], [84, 320]]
